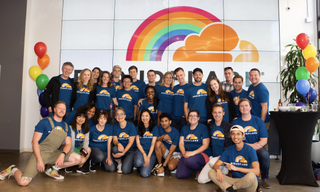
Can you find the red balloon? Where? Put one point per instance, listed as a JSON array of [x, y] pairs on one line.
[[302, 40], [44, 61], [40, 49]]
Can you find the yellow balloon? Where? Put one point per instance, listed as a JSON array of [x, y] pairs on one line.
[[34, 72], [309, 51]]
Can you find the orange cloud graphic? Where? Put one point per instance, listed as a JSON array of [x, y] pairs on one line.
[[216, 38]]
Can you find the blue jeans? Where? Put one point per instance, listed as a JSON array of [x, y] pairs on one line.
[[178, 123], [139, 161], [98, 156], [264, 161], [127, 159]]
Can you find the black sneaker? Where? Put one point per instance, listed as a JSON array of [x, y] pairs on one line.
[[92, 167], [82, 170], [68, 170]]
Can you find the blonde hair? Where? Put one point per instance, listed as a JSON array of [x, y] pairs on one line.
[[90, 83], [116, 67], [165, 75]]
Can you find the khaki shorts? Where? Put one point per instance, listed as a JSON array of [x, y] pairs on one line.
[[175, 155], [48, 157]]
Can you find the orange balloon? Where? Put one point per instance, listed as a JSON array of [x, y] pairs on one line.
[[312, 64], [44, 61]]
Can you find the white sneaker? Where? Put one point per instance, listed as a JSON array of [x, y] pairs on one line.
[[119, 170], [7, 173], [174, 171], [51, 172], [160, 174]]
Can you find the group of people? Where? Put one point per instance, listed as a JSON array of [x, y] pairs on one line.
[[217, 130]]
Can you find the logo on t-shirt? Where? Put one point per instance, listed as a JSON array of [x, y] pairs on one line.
[[221, 100], [201, 92], [191, 137], [135, 88], [147, 134], [66, 86], [217, 135], [102, 138], [236, 98], [84, 90], [240, 159], [151, 109], [80, 136], [249, 130], [180, 91], [168, 92], [123, 135], [104, 92], [126, 97], [251, 94], [117, 87], [59, 128]]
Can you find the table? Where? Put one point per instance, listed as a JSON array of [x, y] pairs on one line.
[[295, 133]]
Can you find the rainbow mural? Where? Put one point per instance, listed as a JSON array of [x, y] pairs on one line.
[[165, 27]]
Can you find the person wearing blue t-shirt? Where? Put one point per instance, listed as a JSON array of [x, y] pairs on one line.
[[217, 95], [136, 83], [96, 73], [256, 136], [151, 103], [124, 135], [166, 146], [258, 95], [60, 88], [220, 140], [178, 117], [151, 75], [128, 99], [166, 95], [144, 156], [241, 160], [105, 95], [238, 92], [194, 146], [48, 136], [101, 136], [195, 96]]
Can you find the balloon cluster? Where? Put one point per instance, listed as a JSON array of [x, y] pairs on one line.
[[35, 72], [309, 52]]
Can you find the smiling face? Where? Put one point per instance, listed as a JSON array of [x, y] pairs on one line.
[[105, 79], [145, 117], [244, 108], [237, 84], [193, 118], [60, 110], [80, 120], [228, 74], [86, 76], [168, 80], [237, 136], [91, 112], [95, 73], [133, 73], [66, 71], [218, 114], [165, 123], [151, 77], [150, 93], [197, 76], [126, 83], [116, 72], [214, 85], [255, 77], [120, 116], [180, 75], [102, 120]]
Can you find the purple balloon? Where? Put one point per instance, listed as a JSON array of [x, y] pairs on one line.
[[44, 111], [300, 104], [41, 100], [311, 96]]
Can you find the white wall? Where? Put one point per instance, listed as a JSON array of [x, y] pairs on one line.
[[43, 23]]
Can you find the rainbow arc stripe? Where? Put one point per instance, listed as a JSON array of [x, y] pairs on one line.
[[163, 28]]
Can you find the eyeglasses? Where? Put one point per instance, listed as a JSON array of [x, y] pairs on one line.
[[119, 114], [193, 115]]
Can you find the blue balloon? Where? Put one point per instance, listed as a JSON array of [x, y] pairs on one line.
[[39, 91], [41, 100], [303, 86], [311, 96], [44, 111], [300, 104]]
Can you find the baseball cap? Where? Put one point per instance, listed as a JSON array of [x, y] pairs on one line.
[[237, 128]]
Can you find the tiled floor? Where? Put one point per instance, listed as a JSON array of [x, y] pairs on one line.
[[103, 181]]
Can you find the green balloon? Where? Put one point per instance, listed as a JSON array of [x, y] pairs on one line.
[[302, 73], [42, 81]]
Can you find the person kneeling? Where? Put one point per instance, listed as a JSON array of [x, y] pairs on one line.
[[241, 159]]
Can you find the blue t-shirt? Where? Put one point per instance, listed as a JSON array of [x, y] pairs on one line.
[[65, 92], [79, 138], [254, 129], [117, 86], [217, 140], [136, 86], [174, 137], [193, 138], [238, 96], [99, 139], [146, 139], [104, 96], [165, 96], [257, 95], [225, 106], [143, 90], [146, 105], [196, 97], [127, 100], [242, 158], [91, 123], [45, 128], [178, 91], [124, 134], [82, 97]]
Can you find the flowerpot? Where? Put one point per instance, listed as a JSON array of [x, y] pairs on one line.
[[315, 151]]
